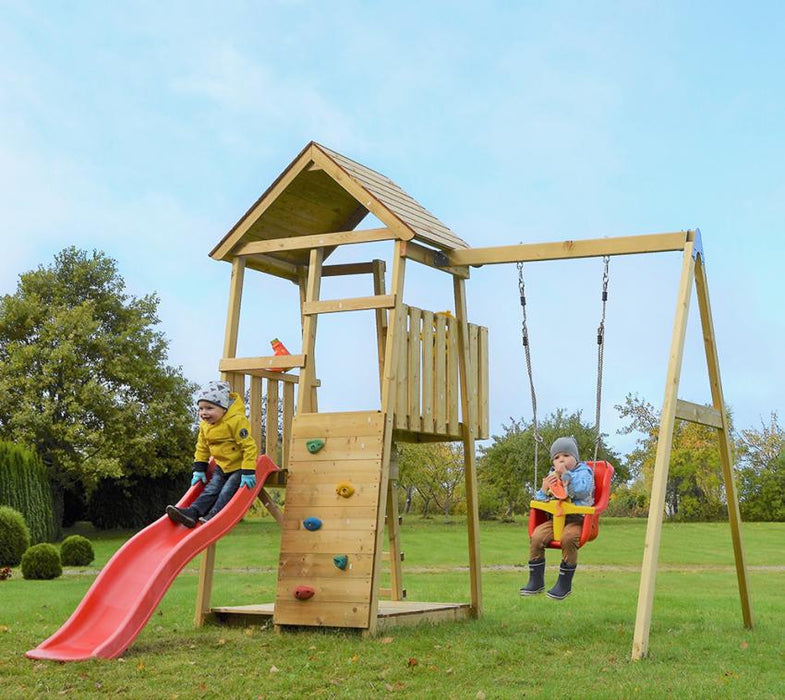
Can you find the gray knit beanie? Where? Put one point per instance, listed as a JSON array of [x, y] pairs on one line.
[[215, 392], [565, 444]]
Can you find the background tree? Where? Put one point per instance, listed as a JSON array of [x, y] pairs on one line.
[[84, 378], [435, 471], [694, 490], [506, 467], [761, 471]]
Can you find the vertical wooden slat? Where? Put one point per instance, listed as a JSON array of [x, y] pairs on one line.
[[288, 414], [718, 401], [271, 432], [640, 640], [413, 370], [256, 411], [427, 369], [468, 415], [453, 396], [401, 415], [483, 393], [440, 375]]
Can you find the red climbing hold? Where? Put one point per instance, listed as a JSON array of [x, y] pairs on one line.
[[303, 592]]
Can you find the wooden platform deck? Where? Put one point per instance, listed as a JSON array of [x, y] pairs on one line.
[[391, 613]]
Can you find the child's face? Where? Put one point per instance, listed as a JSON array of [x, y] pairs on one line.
[[564, 461], [209, 412]]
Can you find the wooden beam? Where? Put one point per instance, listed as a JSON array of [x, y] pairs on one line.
[[589, 248], [426, 256], [319, 240], [695, 413], [640, 639], [272, 266], [271, 506], [302, 161], [731, 495], [386, 301], [249, 364], [362, 195], [366, 268]]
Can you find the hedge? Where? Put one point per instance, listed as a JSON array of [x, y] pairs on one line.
[[24, 486]]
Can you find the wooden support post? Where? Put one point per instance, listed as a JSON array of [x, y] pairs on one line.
[[469, 427], [381, 318], [307, 392], [393, 531], [395, 323], [205, 585], [640, 640], [718, 402], [207, 565]]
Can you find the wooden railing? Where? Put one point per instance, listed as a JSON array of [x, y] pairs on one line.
[[428, 395], [271, 397]]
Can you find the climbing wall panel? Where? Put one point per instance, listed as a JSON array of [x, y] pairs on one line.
[[328, 537]]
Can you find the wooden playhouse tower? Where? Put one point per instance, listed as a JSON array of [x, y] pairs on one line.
[[340, 468]]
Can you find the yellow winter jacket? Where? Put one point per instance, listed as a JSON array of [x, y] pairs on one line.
[[228, 441]]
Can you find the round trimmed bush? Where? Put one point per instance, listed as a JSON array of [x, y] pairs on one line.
[[41, 561], [76, 551], [14, 536]]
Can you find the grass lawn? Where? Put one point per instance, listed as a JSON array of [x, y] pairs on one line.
[[532, 647]]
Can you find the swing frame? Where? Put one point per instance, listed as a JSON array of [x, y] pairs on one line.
[[693, 273]]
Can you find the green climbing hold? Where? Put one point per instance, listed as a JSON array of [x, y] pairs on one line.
[[341, 560], [313, 446]]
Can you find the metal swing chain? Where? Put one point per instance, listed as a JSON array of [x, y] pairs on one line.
[[538, 440], [600, 354]]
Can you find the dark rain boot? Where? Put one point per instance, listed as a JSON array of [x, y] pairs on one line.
[[563, 585], [536, 582]]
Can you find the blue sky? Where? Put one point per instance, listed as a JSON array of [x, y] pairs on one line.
[[146, 129]]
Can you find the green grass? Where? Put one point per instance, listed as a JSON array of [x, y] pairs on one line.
[[532, 647]]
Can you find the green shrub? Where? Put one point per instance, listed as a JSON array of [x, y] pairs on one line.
[[41, 562], [24, 486], [76, 551], [14, 536]]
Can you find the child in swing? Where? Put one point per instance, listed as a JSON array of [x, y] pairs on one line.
[[224, 435], [577, 479]]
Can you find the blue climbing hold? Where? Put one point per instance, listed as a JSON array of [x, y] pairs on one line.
[[341, 560], [312, 523]]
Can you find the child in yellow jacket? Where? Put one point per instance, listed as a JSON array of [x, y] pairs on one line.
[[224, 435]]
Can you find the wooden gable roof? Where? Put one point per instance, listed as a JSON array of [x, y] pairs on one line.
[[325, 192]]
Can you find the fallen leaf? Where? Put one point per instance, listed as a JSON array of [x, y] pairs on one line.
[[273, 669], [412, 662], [449, 670]]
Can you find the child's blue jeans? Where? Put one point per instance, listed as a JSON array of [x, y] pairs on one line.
[[216, 494]]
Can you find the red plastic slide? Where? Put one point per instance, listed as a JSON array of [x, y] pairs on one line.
[[130, 586]]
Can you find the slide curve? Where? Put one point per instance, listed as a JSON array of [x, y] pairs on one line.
[[130, 586]]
